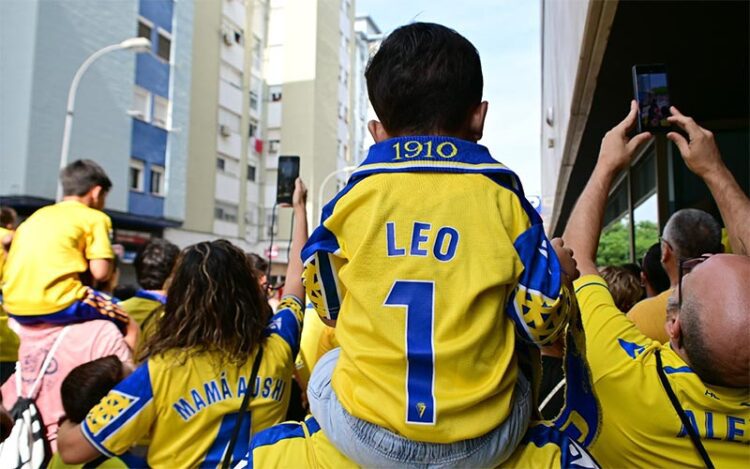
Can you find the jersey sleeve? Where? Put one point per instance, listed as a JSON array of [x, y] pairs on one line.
[[540, 303], [98, 244], [321, 279], [612, 340], [287, 322], [123, 416]]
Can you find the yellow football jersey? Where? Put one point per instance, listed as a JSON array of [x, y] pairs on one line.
[[191, 409], [640, 428], [312, 332], [49, 251], [3, 233], [427, 259]]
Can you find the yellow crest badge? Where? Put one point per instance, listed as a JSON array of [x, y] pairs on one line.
[[112, 406], [421, 407]]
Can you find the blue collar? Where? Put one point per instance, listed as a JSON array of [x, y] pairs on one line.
[[150, 295], [430, 153]]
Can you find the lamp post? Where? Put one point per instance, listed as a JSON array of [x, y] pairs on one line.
[[137, 44], [346, 169]]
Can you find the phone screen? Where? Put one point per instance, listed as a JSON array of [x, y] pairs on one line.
[[652, 93], [288, 173]]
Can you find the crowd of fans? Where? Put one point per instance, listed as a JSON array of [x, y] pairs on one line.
[[451, 330]]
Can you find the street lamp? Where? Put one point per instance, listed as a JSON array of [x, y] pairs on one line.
[[136, 44], [346, 169]]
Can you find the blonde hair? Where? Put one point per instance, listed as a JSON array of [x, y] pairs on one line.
[[624, 286]]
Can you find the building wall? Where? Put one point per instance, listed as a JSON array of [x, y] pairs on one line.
[[18, 25], [563, 25], [66, 34]]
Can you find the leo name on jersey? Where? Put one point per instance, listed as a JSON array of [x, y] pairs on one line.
[[442, 242]]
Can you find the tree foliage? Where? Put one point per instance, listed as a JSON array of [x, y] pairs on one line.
[[614, 244]]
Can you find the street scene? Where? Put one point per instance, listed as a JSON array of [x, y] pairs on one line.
[[369, 233]]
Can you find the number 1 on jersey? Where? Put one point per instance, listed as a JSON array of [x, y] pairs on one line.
[[418, 297]]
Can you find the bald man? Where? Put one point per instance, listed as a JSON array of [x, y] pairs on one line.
[[683, 403]]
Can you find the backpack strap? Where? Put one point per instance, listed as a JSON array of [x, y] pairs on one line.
[[692, 433], [243, 410], [43, 369]]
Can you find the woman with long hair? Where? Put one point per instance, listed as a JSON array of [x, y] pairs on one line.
[[198, 363]]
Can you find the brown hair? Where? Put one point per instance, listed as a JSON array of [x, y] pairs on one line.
[[87, 384], [214, 304], [624, 286]]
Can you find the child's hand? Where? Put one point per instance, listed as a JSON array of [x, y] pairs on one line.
[[299, 198]]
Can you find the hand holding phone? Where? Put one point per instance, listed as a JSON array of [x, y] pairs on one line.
[[651, 90], [288, 173]]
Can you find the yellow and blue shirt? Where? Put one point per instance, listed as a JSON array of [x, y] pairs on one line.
[[190, 409], [3, 233], [432, 263], [639, 426], [142, 305], [49, 252]]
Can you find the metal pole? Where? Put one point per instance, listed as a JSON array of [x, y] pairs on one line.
[[71, 105], [325, 181]]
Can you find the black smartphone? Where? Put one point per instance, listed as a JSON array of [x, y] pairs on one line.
[[288, 173], [651, 90]]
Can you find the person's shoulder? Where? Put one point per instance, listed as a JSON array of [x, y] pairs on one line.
[[648, 305]]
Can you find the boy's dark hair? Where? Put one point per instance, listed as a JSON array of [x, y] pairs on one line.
[[653, 270], [81, 176], [8, 217], [87, 384], [424, 79], [154, 263]]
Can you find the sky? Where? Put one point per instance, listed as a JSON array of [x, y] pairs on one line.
[[507, 35]]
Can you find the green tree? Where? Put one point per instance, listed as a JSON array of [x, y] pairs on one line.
[[614, 244]]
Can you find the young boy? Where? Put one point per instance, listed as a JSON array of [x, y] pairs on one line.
[[424, 263], [58, 244], [153, 266]]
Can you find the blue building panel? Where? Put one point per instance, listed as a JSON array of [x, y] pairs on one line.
[[143, 203], [149, 143], [158, 12], [152, 74]]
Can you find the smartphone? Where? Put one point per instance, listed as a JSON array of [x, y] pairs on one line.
[[651, 90], [288, 173]]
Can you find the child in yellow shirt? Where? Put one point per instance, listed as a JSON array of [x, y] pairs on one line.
[[55, 247]]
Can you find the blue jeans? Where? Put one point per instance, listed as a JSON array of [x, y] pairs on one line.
[[370, 445]]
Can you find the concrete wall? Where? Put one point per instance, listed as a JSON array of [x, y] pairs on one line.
[[18, 24], [181, 80], [563, 25], [203, 124], [67, 33]]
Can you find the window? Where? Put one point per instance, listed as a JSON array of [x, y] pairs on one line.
[[251, 173], [276, 96], [257, 53], [273, 146], [141, 104], [144, 28], [221, 163], [161, 112], [253, 128], [135, 179], [164, 45], [253, 100], [225, 212], [238, 39], [157, 180]]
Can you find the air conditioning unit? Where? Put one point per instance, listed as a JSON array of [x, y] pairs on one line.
[[224, 130], [227, 35]]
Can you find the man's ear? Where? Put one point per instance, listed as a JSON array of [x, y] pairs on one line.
[[95, 193], [674, 330], [377, 131], [476, 121], [666, 252]]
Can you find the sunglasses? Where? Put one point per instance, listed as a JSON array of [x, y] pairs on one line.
[[686, 266]]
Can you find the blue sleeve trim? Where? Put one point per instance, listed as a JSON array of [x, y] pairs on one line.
[[286, 325], [328, 283], [273, 435], [136, 386], [542, 271], [90, 438], [683, 369]]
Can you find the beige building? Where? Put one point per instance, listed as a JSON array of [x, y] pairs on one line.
[[223, 196], [271, 78]]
